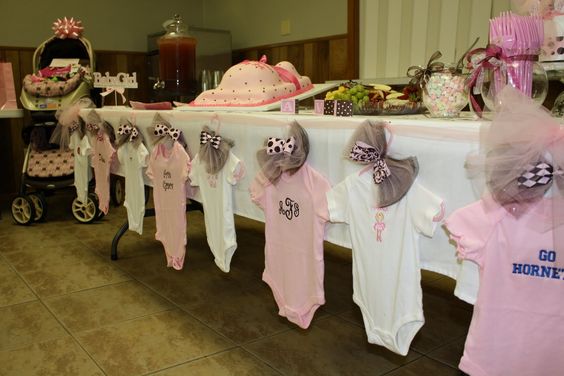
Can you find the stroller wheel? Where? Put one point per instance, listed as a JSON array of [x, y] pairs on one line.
[[117, 191], [23, 210], [39, 204], [86, 212]]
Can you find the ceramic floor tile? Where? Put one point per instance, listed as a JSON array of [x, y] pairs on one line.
[[338, 286], [31, 259], [27, 323], [106, 305], [13, 290], [188, 286], [444, 322], [65, 278], [235, 362], [241, 315], [329, 347], [425, 367], [29, 237], [450, 353], [61, 357], [151, 343]]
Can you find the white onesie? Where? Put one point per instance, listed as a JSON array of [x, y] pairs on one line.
[[81, 148], [386, 273], [134, 159], [217, 197]]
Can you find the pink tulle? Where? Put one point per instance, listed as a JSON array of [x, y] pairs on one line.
[[68, 120], [522, 133]]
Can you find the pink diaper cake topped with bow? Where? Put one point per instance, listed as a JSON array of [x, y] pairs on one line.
[[255, 83]]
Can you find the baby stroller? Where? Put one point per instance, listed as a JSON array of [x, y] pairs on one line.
[[54, 85]]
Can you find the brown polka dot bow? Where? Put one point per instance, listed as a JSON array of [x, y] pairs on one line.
[[163, 130]]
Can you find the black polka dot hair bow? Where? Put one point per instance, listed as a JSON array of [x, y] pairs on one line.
[[277, 145], [214, 141], [163, 130], [364, 153], [127, 129]]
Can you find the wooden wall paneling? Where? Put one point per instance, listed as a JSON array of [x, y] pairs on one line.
[[321, 68], [295, 53], [353, 38], [338, 59], [115, 62], [321, 59]]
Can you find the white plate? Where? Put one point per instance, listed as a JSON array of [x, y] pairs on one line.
[[317, 89]]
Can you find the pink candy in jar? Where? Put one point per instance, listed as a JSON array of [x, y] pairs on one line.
[[445, 93]]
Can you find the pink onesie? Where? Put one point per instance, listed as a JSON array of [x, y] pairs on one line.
[[518, 323], [295, 210], [103, 154], [168, 169]]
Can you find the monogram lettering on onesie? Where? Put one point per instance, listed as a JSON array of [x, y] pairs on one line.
[[289, 208], [167, 185], [101, 158]]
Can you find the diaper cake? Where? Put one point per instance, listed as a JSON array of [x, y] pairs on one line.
[[255, 83]]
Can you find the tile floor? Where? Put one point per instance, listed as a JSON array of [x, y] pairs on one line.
[[67, 309]]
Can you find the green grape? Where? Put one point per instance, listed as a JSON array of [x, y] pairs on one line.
[[354, 99], [353, 91], [360, 95]]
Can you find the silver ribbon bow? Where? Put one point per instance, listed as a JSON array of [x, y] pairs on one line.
[[277, 145], [214, 141], [163, 130], [127, 129], [362, 152]]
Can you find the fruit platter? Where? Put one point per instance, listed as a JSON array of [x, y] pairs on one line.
[[379, 99]]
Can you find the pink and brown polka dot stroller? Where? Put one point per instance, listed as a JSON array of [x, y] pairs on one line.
[[62, 66]]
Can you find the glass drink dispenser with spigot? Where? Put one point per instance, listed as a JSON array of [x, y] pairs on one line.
[[177, 62]]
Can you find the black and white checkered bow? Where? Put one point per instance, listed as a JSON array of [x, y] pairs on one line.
[[214, 141], [538, 174]]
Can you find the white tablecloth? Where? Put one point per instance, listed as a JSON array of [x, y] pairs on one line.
[[440, 146]]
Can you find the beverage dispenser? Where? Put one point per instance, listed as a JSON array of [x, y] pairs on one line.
[[177, 62]]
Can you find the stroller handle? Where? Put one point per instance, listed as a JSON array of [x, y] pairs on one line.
[[39, 50]]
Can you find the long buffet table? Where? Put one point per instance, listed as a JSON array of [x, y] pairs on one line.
[[440, 145]]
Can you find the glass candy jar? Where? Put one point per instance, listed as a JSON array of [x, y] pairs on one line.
[[445, 93]]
